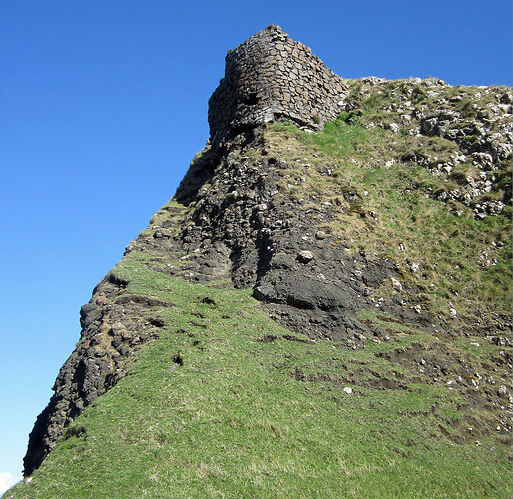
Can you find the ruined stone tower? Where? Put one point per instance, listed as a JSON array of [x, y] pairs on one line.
[[270, 77]]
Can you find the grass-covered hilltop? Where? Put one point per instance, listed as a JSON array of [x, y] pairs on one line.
[[322, 309]]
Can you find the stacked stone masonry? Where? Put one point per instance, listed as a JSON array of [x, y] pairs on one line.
[[268, 78]]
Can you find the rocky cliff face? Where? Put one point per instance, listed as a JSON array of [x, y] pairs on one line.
[[234, 220]]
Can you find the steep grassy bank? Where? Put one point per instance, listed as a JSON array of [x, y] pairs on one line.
[[226, 403], [222, 401]]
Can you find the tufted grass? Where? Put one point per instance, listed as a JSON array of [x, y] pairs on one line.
[[234, 420], [210, 410], [379, 205]]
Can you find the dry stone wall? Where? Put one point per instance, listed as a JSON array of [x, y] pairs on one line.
[[270, 77]]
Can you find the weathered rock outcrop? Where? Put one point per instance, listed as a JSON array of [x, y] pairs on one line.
[[477, 121], [115, 325]]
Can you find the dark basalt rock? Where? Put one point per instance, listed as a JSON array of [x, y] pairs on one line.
[[98, 362]]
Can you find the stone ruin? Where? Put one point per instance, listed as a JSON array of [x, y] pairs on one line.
[[270, 77]]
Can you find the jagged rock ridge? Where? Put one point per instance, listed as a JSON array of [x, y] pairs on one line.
[[235, 225]]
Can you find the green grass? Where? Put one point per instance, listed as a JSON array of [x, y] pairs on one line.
[[210, 410], [235, 421], [380, 205]]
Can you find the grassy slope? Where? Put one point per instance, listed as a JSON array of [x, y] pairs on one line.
[[242, 417], [461, 260], [233, 421]]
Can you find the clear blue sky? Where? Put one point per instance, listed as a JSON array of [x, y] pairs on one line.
[[103, 106]]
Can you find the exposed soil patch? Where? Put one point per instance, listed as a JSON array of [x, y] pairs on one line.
[[177, 359], [117, 281], [297, 340], [208, 301], [359, 378], [267, 338], [142, 300], [157, 321]]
